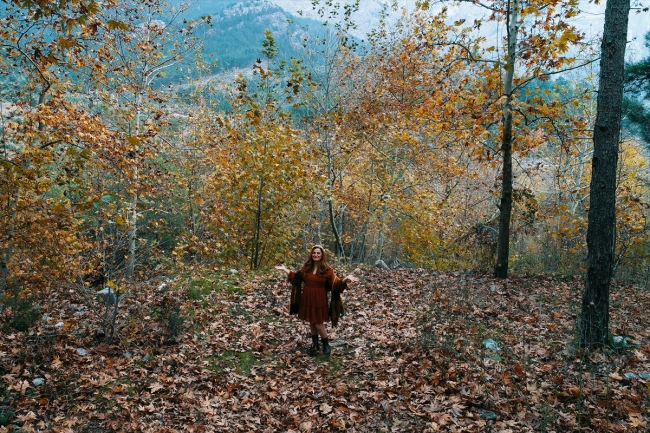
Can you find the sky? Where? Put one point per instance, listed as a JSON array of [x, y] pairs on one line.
[[590, 21]]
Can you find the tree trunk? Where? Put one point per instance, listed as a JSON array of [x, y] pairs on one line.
[[337, 236], [319, 228], [505, 208], [133, 233], [332, 181], [133, 220], [255, 256], [594, 320]]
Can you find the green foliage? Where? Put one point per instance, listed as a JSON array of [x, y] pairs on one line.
[[25, 314], [231, 287], [620, 342], [636, 114], [199, 288], [636, 117], [170, 312], [241, 362], [6, 415]]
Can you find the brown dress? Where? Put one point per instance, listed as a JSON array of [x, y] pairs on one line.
[[313, 302]]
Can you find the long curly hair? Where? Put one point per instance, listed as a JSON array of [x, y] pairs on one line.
[[322, 264]]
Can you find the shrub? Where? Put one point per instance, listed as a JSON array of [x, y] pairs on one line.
[[170, 312], [24, 315]]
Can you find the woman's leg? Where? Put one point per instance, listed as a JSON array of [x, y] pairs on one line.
[[315, 347], [322, 331], [318, 328]]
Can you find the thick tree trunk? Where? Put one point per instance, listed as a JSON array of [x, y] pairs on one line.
[[594, 321], [505, 208]]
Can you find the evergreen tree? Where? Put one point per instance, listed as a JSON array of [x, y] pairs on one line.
[[637, 81]]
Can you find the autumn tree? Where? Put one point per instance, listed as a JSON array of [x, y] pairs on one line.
[[538, 41], [594, 321], [46, 139], [328, 57], [261, 166], [413, 127], [150, 42]]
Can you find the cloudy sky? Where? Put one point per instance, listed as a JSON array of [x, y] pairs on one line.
[[590, 21]]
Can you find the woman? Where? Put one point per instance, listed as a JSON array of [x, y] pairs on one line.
[[309, 295]]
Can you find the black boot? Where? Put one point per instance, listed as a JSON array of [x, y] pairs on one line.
[[326, 346], [313, 350]]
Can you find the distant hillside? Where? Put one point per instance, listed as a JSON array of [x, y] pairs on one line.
[[235, 37]]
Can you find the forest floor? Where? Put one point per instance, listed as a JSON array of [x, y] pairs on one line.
[[417, 351]]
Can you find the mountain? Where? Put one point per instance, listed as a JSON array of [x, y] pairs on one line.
[[237, 32]]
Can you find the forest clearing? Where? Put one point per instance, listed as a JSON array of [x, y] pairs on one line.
[[418, 351], [479, 169]]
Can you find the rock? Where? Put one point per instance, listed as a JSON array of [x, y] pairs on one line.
[[81, 352], [233, 271], [108, 296], [38, 381], [488, 415], [382, 265], [400, 264], [59, 325], [623, 342], [491, 344], [45, 318], [494, 288]]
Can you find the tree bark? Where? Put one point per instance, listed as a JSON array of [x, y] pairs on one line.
[[594, 320], [505, 208], [332, 181], [255, 256]]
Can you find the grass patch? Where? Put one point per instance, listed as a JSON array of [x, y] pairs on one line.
[[240, 362], [334, 363], [199, 288], [230, 287], [237, 310]]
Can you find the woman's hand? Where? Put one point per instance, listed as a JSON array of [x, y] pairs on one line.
[[282, 268], [351, 278]]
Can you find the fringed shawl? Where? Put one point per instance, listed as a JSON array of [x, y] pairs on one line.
[[333, 284]]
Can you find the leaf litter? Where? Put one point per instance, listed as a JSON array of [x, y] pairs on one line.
[[409, 355]]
